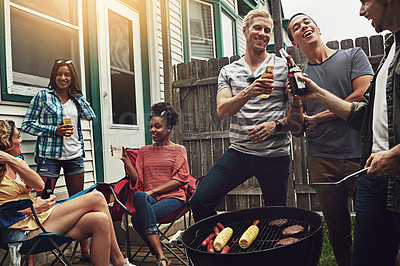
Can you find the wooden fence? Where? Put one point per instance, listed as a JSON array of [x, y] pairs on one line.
[[206, 137]]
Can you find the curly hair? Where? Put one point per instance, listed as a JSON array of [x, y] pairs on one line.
[[74, 76], [165, 110], [7, 131]]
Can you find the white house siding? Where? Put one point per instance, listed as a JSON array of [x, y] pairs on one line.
[[176, 36], [231, 4], [241, 38], [16, 111]]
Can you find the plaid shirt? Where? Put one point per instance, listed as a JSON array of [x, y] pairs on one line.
[[46, 108]]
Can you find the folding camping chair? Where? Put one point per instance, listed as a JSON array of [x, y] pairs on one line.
[[123, 192], [170, 220], [43, 242]]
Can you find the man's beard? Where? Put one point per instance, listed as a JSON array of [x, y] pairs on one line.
[[379, 25]]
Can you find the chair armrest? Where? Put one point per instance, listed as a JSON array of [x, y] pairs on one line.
[[9, 213]]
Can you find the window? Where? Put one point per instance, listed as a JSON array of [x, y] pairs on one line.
[[122, 70], [40, 31], [228, 35], [201, 26]]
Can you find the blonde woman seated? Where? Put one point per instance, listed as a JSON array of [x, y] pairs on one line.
[[79, 218], [161, 178]]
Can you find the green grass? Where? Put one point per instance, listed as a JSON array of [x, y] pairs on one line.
[[327, 258]]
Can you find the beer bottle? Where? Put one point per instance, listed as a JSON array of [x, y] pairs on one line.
[[47, 191], [268, 73], [298, 87], [67, 120]]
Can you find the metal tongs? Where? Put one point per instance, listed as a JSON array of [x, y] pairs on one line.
[[336, 184]]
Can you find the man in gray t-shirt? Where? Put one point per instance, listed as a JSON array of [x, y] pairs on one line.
[[334, 148]]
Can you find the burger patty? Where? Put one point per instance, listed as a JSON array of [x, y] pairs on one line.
[[286, 241], [291, 230], [278, 222]]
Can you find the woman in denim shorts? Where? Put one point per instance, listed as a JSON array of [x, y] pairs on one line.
[[54, 116]]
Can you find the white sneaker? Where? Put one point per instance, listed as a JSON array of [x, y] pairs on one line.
[[127, 263]]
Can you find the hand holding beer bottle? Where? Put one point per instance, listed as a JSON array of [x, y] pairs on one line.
[[298, 87]]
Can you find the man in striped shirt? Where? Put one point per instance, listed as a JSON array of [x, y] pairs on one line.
[[259, 141]]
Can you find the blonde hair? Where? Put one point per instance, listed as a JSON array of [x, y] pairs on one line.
[[7, 129], [255, 13]]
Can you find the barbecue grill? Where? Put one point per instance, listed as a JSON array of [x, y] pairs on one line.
[[263, 251]]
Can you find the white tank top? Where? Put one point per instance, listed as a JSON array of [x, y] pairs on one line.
[[71, 148]]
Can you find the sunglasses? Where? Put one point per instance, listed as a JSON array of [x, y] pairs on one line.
[[63, 61]]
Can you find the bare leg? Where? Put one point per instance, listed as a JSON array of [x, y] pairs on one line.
[[74, 185], [66, 217], [155, 244]]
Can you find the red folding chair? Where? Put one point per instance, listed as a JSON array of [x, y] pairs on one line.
[[170, 220], [123, 191]]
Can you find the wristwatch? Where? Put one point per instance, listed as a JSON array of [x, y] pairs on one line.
[[278, 126]]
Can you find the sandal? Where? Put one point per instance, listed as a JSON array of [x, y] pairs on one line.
[[160, 262]]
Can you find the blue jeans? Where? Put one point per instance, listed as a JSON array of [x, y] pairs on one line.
[[231, 170], [376, 230], [149, 211], [51, 167]]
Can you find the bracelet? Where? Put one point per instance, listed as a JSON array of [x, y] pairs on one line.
[[296, 107]]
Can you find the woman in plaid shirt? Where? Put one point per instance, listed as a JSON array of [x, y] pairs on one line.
[[60, 145]]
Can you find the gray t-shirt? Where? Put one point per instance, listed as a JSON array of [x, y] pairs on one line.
[[334, 139]]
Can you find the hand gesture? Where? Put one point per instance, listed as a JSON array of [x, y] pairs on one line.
[[260, 86], [124, 155], [65, 130], [310, 122], [261, 132], [42, 205], [384, 163]]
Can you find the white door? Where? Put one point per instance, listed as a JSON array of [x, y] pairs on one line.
[[122, 111]]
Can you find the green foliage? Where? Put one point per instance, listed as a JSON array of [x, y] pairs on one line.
[[327, 257]]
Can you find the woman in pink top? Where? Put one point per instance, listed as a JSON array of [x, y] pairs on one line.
[[161, 178]]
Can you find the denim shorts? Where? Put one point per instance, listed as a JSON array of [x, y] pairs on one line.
[[51, 167]]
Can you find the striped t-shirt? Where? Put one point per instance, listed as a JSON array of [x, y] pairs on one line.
[[238, 76]]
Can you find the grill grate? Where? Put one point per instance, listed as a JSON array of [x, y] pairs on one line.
[[267, 237]]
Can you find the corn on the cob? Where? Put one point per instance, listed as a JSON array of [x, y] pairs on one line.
[[223, 238], [249, 236]]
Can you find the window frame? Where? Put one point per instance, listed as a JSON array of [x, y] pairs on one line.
[[213, 26], [218, 7], [20, 93], [234, 31]]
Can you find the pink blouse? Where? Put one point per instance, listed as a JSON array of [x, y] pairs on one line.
[[157, 165]]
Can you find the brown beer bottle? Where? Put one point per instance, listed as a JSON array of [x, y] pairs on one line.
[[47, 191], [298, 87], [268, 73]]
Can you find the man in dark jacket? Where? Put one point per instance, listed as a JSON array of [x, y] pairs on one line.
[[377, 226]]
